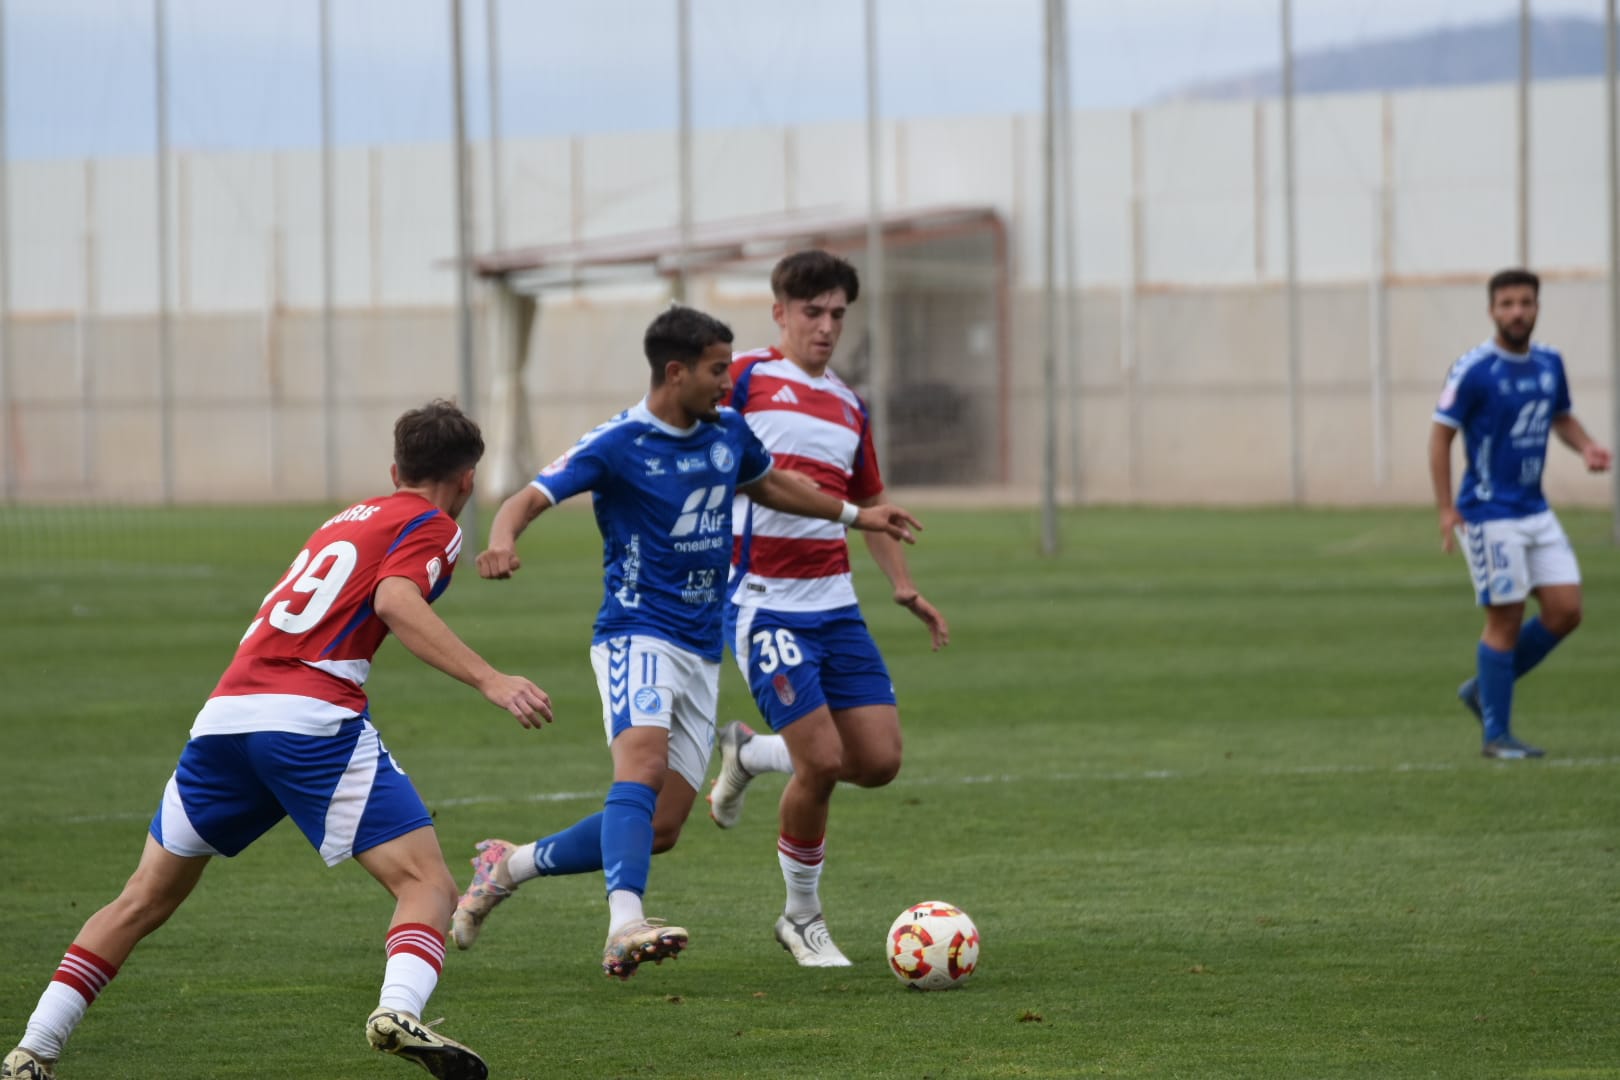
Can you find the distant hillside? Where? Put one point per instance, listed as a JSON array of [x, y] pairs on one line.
[[1560, 48]]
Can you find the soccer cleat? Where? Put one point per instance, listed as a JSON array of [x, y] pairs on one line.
[[725, 796], [23, 1064], [639, 942], [1507, 748], [1468, 694], [392, 1031], [809, 942], [487, 890]]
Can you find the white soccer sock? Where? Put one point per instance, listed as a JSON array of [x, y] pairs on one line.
[[624, 908], [801, 871], [79, 980], [520, 865], [415, 958], [765, 753], [59, 1011]]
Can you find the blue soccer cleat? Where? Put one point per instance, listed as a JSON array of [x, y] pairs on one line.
[[1507, 748]]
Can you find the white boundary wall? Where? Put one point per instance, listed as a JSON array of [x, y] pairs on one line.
[[1406, 204]]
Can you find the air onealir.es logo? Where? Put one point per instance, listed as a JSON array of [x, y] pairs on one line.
[[702, 516]]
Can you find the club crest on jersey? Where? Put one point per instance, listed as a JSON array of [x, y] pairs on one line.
[[720, 456], [649, 700], [784, 689], [434, 569], [849, 417], [1546, 382]]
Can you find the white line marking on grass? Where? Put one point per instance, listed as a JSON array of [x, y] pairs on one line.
[[1009, 778], [1295, 770], [541, 796], [469, 800]]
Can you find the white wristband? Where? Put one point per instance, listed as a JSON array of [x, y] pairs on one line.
[[848, 514]]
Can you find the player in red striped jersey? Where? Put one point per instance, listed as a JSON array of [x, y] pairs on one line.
[[793, 620], [287, 733]]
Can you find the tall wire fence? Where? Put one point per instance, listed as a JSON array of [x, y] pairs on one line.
[[184, 308]]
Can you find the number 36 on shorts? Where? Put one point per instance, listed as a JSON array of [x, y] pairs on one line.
[[772, 649]]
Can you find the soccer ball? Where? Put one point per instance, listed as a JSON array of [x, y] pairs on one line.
[[933, 946]]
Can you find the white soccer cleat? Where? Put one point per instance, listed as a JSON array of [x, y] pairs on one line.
[[393, 1031], [491, 884], [809, 942], [23, 1064], [725, 795]]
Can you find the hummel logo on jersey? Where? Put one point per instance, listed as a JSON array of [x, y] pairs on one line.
[[786, 396]]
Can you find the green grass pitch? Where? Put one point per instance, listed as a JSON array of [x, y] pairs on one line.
[[1201, 781]]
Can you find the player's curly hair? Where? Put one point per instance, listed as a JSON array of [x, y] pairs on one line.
[[436, 442], [805, 275], [681, 333], [1505, 279]]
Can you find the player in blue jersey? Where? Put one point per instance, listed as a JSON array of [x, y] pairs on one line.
[[662, 476], [1505, 396]]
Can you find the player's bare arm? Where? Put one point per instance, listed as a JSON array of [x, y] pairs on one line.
[[1440, 437], [891, 559], [1573, 434], [500, 558], [799, 477], [793, 497], [400, 605]]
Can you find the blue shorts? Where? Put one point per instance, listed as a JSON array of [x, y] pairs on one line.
[[797, 661], [343, 791]]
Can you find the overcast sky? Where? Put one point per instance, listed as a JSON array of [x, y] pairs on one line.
[[245, 73]]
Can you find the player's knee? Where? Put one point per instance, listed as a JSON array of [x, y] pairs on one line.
[[875, 774], [1562, 621], [423, 883], [433, 884], [143, 909], [447, 890], [821, 769], [665, 837]]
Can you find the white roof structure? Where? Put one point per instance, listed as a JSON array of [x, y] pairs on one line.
[[716, 245]]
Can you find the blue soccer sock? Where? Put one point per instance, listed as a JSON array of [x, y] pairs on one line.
[[575, 850], [1535, 642], [627, 835], [1495, 690]]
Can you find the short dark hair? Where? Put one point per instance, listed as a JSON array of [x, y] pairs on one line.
[[681, 333], [805, 275], [1505, 279], [436, 442]]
